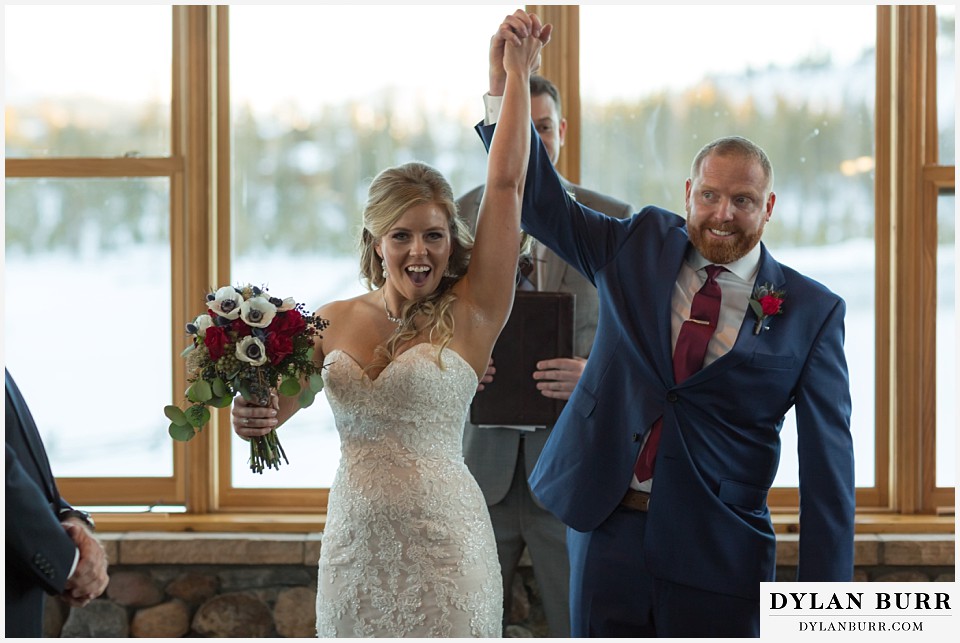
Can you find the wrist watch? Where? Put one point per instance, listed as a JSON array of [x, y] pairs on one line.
[[78, 513]]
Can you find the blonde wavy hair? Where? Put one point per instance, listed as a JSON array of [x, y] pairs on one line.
[[393, 192]]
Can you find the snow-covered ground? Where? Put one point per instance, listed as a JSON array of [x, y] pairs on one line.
[[87, 340]]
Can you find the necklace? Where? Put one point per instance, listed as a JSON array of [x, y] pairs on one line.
[[395, 320]]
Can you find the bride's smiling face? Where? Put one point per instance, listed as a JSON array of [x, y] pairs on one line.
[[416, 250]]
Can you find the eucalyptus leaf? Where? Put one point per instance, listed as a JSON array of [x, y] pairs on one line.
[[199, 391], [306, 398], [186, 351], [316, 382], [221, 402], [198, 414], [181, 433], [289, 387], [218, 388], [175, 415], [756, 307]]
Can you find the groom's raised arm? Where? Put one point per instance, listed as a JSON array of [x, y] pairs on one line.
[[584, 238]]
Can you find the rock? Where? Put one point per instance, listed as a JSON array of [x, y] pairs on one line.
[[902, 577], [234, 615], [167, 620], [99, 619], [295, 613], [517, 632], [193, 588], [134, 589]]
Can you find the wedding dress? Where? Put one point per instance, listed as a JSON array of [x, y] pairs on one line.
[[408, 549]]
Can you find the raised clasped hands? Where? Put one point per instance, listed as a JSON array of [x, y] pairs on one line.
[[90, 578], [527, 36]]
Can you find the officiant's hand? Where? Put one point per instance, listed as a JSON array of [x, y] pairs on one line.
[[558, 376], [250, 420], [487, 376]]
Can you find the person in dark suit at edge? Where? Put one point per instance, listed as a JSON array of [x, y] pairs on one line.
[[661, 461], [502, 458], [51, 548]]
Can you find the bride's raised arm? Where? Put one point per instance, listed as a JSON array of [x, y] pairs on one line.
[[489, 284]]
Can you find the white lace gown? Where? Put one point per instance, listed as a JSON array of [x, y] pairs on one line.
[[408, 549]]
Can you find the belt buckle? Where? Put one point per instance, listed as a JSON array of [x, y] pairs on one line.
[[636, 500]]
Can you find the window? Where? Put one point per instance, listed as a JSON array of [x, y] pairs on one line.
[[946, 372], [88, 209]]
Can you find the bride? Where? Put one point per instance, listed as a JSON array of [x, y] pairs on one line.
[[408, 549]]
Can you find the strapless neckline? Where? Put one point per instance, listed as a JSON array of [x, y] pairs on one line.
[[399, 358]]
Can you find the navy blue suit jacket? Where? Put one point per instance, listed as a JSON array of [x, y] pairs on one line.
[[39, 553], [708, 524]]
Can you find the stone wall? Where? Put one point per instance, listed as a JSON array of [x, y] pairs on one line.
[[256, 585]]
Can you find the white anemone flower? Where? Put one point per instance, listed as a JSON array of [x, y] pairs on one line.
[[226, 302], [257, 312], [288, 304], [202, 323], [251, 350]]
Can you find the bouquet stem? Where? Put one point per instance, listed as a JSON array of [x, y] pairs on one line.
[[266, 451]]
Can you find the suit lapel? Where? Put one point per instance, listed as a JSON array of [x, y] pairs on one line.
[[668, 267], [31, 437]]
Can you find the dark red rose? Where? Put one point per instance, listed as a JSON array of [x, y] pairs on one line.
[[215, 339], [278, 347], [771, 304], [288, 323]]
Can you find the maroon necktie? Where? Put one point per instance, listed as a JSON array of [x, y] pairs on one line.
[[695, 334]]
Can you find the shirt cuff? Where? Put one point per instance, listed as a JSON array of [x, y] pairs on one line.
[[76, 560], [492, 106]]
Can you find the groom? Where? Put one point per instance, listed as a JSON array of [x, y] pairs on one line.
[[663, 457]]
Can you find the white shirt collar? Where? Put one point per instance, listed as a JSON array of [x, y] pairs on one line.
[[745, 267]]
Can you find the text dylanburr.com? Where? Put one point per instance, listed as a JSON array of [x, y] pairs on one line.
[[796, 611]]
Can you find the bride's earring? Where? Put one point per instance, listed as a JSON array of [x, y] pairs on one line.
[[448, 273], [385, 275]]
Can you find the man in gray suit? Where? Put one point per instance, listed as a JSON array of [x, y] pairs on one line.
[[502, 458]]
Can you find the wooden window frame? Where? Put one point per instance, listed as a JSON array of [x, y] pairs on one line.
[[908, 182]]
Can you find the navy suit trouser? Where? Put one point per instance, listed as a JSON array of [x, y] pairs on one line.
[[613, 595]]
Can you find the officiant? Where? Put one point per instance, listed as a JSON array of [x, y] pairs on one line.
[[50, 546]]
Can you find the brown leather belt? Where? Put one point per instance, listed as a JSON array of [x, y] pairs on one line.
[[637, 500]]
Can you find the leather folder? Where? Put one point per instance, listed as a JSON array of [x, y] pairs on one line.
[[540, 327]]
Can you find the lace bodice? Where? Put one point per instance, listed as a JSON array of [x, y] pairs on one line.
[[411, 408], [408, 548]]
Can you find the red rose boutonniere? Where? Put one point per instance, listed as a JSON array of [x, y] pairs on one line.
[[765, 303]]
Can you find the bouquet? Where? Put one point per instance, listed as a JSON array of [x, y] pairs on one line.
[[249, 343]]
